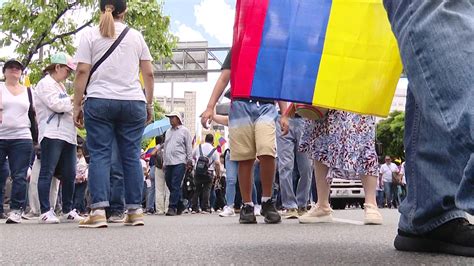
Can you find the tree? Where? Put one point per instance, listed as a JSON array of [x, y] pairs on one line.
[[32, 25], [390, 133]]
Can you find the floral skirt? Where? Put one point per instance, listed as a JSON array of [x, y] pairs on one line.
[[343, 141]]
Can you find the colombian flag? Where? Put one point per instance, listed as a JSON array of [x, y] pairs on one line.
[[337, 54]]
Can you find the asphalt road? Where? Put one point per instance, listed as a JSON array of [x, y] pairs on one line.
[[209, 239]]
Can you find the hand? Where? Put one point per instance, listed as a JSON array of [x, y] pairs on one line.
[[206, 117], [149, 114], [78, 117], [284, 124]]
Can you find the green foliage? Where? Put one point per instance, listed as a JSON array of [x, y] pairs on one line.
[[390, 133], [31, 25]]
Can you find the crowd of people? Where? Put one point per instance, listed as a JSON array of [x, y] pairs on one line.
[[278, 163]]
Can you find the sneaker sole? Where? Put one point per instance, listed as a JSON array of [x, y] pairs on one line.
[[248, 221], [115, 221], [290, 217], [272, 222], [403, 243], [9, 221], [373, 221], [315, 220], [96, 225], [137, 223], [221, 215]]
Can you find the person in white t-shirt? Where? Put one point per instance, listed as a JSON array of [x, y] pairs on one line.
[[15, 136], [386, 172], [57, 137], [116, 108]]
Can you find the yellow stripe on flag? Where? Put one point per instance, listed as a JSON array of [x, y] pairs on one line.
[[152, 144], [360, 65]]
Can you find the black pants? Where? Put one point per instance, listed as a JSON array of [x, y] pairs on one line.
[[203, 191]]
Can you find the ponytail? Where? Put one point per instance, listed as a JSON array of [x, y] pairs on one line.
[[106, 25]]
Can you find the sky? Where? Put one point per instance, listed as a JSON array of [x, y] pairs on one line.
[[194, 20]]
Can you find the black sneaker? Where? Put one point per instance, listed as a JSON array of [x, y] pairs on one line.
[[247, 215], [270, 212], [171, 212], [455, 237]]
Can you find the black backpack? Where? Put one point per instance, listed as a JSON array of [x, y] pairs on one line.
[[203, 163]]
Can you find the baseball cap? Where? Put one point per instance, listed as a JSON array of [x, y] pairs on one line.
[[12, 62], [63, 59]]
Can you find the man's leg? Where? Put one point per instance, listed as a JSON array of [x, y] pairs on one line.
[[206, 193], [150, 201], [67, 164], [265, 140], [387, 188], [435, 40], [305, 168], [286, 155]]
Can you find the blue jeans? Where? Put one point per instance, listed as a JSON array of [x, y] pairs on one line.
[[388, 190], [59, 155], [150, 195], [108, 121], [435, 40], [80, 197], [287, 155], [174, 175], [117, 199], [4, 174], [231, 171], [18, 152]]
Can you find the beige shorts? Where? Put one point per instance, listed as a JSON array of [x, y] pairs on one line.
[[252, 135]]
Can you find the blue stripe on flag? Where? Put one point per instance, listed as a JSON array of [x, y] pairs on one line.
[[293, 40]]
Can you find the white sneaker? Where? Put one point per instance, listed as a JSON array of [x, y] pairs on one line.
[[372, 214], [72, 217], [316, 215], [14, 217], [257, 210], [48, 218], [228, 212]]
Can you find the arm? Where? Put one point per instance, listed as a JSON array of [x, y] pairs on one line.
[[219, 88], [147, 72], [50, 97], [189, 146], [217, 167], [82, 75], [284, 119], [221, 119]]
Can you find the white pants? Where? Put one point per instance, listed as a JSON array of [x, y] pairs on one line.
[[33, 197], [162, 193]]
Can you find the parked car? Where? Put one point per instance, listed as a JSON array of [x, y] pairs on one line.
[[346, 192]]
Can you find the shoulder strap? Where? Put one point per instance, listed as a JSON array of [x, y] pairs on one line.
[[211, 153], [32, 117], [200, 150], [106, 55]]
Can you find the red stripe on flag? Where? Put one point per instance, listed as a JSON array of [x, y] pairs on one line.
[[249, 22]]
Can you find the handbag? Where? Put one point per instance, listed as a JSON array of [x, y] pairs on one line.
[[106, 55], [306, 111]]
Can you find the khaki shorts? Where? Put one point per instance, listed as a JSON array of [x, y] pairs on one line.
[[252, 130]]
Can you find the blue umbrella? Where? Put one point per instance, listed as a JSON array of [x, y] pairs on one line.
[[157, 128]]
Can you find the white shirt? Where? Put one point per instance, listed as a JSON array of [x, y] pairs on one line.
[[402, 172], [15, 122], [206, 149], [51, 99], [178, 146], [387, 170], [117, 78]]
